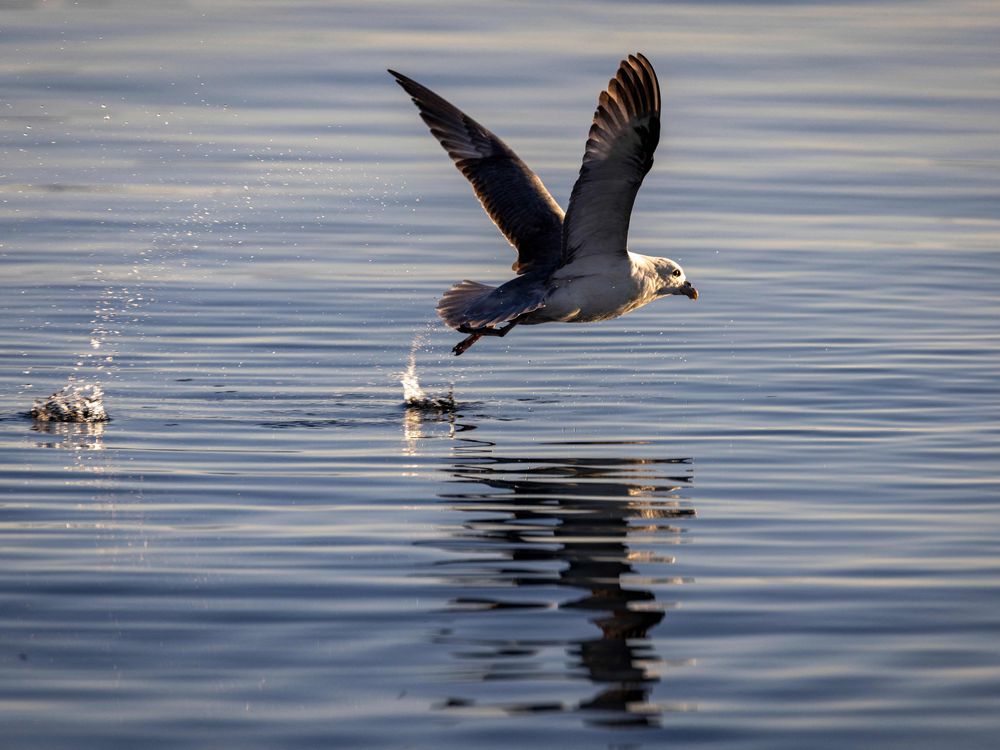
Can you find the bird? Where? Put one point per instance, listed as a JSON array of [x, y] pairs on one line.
[[572, 267]]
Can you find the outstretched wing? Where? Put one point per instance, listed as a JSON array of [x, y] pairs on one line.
[[511, 194], [619, 153]]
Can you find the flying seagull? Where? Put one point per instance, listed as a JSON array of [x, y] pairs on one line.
[[573, 267]]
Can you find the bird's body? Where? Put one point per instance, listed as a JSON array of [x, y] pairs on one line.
[[573, 267]]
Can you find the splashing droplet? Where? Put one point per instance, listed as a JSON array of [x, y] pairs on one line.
[[411, 384], [73, 403], [413, 394]]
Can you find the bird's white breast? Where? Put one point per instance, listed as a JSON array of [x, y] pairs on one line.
[[589, 291]]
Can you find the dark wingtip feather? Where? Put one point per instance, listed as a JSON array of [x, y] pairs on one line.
[[619, 152], [511, 194]]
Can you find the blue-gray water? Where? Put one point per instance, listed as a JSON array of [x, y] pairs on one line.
[[766, 519]]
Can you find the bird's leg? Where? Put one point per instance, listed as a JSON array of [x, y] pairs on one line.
[[478, 333], [464, 344]]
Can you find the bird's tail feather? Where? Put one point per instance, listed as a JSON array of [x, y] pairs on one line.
[[476, 305]]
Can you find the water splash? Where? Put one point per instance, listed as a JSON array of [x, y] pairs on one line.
[[125, 292], [81, 400], [413, 395], [72, 403], [422, 409]]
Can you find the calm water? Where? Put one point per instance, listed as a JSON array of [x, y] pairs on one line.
[[768, 519]]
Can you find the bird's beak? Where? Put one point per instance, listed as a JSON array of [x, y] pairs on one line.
[[689, 291]]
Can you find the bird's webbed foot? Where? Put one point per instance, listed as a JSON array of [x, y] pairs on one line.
[[478, 333]]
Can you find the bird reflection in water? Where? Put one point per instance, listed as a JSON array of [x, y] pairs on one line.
[[546, 549]]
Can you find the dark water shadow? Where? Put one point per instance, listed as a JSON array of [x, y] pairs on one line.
[[557, 562]]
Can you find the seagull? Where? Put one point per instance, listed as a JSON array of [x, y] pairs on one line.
[[571, 267]]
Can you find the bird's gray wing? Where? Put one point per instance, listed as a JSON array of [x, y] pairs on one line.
[[512, 195], [619, 153]]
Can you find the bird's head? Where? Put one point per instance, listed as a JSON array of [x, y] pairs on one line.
[[672, 279]]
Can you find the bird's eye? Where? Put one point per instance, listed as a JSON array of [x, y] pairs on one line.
[[677, 272]]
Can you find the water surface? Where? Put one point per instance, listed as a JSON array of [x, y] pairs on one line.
[[767, 519]]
